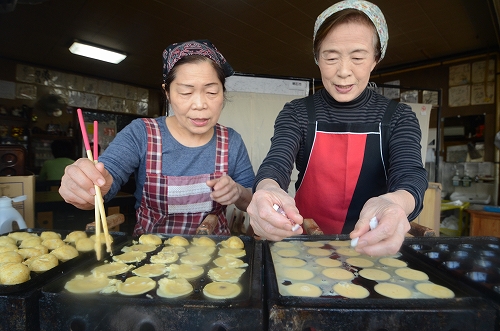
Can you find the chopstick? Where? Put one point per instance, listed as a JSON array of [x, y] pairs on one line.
[[100, 213]]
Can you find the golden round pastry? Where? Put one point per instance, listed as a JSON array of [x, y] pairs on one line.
[[175, 249], [85, 245], [20, 236], [283, 244], [130, 257], [5, 240], [296, 274], [73, 236], [42, 263], [234, 252], [27, 253], [315, 244], [41, 248], [150, 239], [150, 270], [340, 243], [204, 241], [291, 262], [8, 248], [231, 275], [102, 238], [12, 273], [288, 252], [53, 243], [195, 259], [392, 262], [233, 242], [222, 290], [136, 285], [349, 290], [187, 271], [11, 256], [411, 274], [229, 262], [111, 269], [319, 252], [140, 248], [201, 250], [304, 290], [359, 262], [30, 242], [374, 274], [393, 291], [347, 251], [338, 274], [49, 235], [177, 241], [327, 262], [173, 288], [65, 253], [164, 257], [434, 290], [89, 284]]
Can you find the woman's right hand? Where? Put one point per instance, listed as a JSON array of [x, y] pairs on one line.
[[267, 222], [77, 183]]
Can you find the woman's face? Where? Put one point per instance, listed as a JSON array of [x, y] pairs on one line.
[[197, 98], [346, 59]]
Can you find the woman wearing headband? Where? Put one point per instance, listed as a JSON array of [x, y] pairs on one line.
[[358, 154], [187, 165]]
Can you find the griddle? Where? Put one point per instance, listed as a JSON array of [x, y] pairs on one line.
[[19, 303], [473, 260], [62, 310], [469, 310]]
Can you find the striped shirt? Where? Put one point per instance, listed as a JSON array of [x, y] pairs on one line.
[[405, 169]]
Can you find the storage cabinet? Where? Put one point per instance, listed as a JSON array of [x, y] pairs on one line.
[[483, 223]]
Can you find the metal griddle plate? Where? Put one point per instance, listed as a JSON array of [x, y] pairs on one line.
[[61, 309], [467, 311], [40, 279], [475, 260], [19, 303]]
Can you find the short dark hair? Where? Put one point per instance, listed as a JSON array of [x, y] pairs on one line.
[[62, 148]]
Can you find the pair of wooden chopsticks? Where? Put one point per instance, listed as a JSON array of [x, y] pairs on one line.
[[100, 213]]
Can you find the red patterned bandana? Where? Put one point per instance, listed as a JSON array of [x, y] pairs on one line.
[[177, 51]]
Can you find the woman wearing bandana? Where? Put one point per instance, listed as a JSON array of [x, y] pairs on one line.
[[187, 165], [357, 153]]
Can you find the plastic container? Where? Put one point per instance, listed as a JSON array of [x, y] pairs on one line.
[[9, 215]]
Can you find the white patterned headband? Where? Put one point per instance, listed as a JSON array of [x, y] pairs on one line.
[[372, 11]]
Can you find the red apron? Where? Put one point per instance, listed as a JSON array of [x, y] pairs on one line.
[[178, 204], [345, 168]]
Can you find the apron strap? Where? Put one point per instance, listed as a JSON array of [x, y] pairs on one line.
[[386, 130], [311, 132]]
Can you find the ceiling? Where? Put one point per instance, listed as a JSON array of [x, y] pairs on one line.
[[261, 37]]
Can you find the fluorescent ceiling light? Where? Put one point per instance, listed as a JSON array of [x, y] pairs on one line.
[[97, 53]]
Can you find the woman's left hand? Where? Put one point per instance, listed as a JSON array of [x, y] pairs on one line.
[[387, 238], [226, 191]]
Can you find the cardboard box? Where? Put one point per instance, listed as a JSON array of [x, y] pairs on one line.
[[14, 186], [430, 215]]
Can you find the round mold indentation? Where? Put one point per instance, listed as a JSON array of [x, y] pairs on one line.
[[483, 277], [496, 288], [457, 265], [9, 158], [420, 247], [493, 246], [443, 247], [466, 246], [488, 253], [436, 255], [486, 262], [461, 254]]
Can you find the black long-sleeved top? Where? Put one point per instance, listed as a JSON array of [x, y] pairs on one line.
[[405, 169]]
